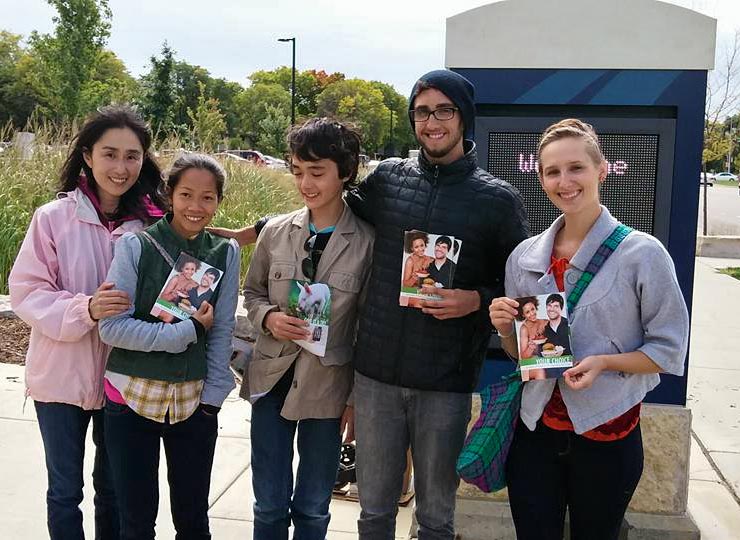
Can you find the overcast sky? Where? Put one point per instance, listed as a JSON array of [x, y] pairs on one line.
[[388, 40]]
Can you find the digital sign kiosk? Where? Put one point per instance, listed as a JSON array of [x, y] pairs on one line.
[[636, 70]]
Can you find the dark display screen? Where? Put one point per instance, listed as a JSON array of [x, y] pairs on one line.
[[629, 190]]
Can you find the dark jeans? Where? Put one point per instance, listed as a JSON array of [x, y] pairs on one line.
[[133, 446], [277, 501], [389, 419], [549, 470], [63, 430]]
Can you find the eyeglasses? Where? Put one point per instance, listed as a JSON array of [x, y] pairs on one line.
[[308, 265], [422, 115]]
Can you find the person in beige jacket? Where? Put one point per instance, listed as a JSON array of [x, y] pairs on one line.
[[290, 388]]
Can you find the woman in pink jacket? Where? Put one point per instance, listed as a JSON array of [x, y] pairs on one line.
[[109, 185]]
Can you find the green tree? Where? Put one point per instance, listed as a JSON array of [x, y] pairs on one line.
[[716, 146], [403, 136], [39, 73], [157, 96], [251, 105], [187, 80], [209, 126], [16, 101], [309, 84], [65, 60], [190, 83], [225, 92], [358, 102], [273, 128], [110, 82]]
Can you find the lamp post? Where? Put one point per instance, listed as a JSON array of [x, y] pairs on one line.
[[292, 84], [390, 132]]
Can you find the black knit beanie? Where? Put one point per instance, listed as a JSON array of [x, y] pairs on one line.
[[454, 86]]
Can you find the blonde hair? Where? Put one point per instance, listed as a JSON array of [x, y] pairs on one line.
[[572, 127]]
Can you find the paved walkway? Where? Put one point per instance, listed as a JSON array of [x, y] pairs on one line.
[[714, 397], [23, 485]]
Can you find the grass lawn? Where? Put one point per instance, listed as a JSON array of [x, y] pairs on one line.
[[732, 271], [728, 183]]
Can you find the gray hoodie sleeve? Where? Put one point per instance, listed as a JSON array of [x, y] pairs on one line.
[[219, 380], [123, 330]]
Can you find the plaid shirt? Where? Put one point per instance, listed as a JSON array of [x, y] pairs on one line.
[[155, 399]]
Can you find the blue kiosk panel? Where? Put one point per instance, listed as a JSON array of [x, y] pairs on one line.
[[650, 124]]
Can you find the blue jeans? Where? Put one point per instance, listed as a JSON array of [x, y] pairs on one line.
[[390, 419], [277, 501], [63, 430], [133, 446]]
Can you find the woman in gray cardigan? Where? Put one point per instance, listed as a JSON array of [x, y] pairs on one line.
[[578, 445]]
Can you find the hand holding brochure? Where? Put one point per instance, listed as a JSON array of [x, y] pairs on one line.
[[190, 283], [543, 336], [429, 260], [312, 303]]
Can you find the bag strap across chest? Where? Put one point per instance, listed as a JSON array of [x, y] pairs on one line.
[[158, 247], [607, 247]]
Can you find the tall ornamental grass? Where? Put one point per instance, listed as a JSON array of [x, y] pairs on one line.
[[27, 183], [251, 193]]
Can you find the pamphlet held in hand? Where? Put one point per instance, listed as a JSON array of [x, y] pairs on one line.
[[312, 303], [429, 260], [190, 283], [543, 336]]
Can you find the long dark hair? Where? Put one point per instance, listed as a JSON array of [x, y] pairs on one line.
[[150, 177]]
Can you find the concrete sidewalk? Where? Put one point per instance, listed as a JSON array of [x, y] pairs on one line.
[[714, 397], [23, 473]]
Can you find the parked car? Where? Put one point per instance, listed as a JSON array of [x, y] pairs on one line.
[[250, 155], [228, 156], [258, 158], [275, 163], [726, 176]]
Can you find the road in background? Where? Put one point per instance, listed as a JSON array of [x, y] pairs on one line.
[[723, 210]]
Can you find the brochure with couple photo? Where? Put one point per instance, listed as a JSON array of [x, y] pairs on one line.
[[190, 283], [543, 336], [429, 260], [312, 303]]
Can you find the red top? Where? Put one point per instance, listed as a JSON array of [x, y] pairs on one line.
[[555, 416]]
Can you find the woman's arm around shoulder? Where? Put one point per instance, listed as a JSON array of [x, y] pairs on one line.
[[219, 380], [123, 330], [35, 294]]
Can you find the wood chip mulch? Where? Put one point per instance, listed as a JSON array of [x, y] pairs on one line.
[[14, 334]]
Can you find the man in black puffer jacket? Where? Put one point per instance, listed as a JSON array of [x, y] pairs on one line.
[[416, 369]]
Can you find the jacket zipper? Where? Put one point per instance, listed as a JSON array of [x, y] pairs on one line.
[[433, 200], [435, 190]]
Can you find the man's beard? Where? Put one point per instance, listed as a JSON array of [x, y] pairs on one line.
[[441, 152]]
